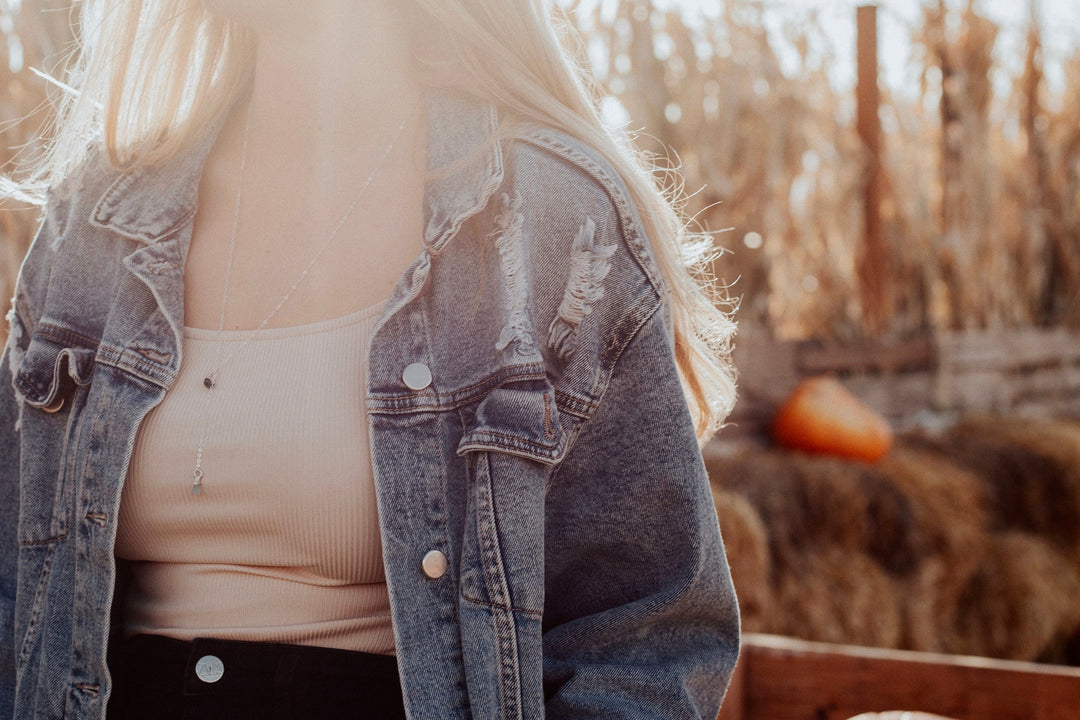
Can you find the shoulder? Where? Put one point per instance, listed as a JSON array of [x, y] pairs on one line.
[[76, 194], [64, 203], [570, 183], [75, 259], [572, 246]]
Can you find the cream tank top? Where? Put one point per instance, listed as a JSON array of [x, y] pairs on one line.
[[282, 544]]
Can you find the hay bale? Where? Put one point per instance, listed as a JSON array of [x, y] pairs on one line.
[[855, 506], [747, 544], [1027, 491], [948, 501], [1021, 603], [823, 507], [933, 601], [836, 595], [949, 509], [1055, 446], [806, 500], [834, 503], [771, 485]]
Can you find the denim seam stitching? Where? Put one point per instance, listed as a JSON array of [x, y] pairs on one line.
[[65, 336], [394, 404], [63, 532], [498, 589], [47, 541], [538, 614], [486, 438], [134, 365], [33, 623]]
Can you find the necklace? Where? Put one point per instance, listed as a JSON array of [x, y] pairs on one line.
[[211, 380]]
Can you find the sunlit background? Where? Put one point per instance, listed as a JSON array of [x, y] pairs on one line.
[[899, 20], [756, 103]]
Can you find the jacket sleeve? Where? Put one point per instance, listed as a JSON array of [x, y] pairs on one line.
[[9, 519], [640, 618]]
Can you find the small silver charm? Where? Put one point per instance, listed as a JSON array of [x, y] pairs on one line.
[[196, 486]]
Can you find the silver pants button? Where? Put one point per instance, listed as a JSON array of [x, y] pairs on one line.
[[209, 668]]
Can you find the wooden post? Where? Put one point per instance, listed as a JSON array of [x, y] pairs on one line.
[[872, 258], [951, 169]]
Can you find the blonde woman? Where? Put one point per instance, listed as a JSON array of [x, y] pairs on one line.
[[355, 372]]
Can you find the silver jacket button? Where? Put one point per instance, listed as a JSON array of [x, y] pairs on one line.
[[434, 564], [209, 668], [416, 376]]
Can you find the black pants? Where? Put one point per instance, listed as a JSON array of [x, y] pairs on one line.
[[159, 678]]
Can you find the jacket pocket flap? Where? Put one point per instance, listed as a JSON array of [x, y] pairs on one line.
[[50, 369], [517, 418]]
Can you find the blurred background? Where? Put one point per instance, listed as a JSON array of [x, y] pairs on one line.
[[977, 163], [896, 190], [756, 103]]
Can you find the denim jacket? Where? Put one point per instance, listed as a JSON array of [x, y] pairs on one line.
[[550, 458]]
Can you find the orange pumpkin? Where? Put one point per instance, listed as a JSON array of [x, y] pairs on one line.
[[822, 416]]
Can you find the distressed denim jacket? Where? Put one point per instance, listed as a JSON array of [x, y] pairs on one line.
[[551, 458]]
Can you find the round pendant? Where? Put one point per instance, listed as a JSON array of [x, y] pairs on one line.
[[208, 383]]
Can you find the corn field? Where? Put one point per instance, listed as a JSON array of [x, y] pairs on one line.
[[981, 192], [981, 201]]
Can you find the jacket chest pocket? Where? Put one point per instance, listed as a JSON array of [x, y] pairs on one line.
[[50, 381], [511, 445]]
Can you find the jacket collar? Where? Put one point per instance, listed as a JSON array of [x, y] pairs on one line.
[[464, 163]]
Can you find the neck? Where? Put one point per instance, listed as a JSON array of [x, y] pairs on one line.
[[332, 83], [346, 70]]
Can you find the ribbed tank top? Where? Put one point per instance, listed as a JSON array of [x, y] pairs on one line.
[[283, 543]]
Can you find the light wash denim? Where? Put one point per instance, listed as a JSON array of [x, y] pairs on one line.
[[551, 459]]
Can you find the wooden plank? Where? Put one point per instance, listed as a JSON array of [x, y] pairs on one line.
[[897, 397], [1024, 348], [797, 680], [766, 367], [1046, 383], [983, 371], [1051, 408], [815, 358], [734, 707], [982, 391]]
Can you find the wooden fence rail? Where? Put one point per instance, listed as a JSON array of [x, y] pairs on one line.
[[1027, 371], [784, 679]]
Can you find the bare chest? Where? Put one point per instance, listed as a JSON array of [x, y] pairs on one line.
[[298, 262]]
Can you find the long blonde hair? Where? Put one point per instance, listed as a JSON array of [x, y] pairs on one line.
[[151, 73]]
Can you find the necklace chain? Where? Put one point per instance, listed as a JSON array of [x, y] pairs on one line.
[[211, 380]]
